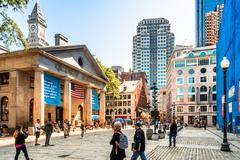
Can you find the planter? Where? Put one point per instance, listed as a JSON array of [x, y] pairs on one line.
[[149, 133]]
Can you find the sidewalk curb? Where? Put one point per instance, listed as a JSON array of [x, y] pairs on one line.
[[222, 138]]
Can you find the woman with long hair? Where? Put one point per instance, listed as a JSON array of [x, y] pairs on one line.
[[117, 153], [20, 137]]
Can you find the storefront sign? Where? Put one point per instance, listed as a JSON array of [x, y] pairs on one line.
[[95, 101], [52, 91]]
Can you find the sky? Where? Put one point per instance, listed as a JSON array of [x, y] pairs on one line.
[[108, 26]]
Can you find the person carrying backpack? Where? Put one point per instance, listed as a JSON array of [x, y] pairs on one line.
[[118, 142], [139, 143]]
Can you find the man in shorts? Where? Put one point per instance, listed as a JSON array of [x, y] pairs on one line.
[[37, 131]]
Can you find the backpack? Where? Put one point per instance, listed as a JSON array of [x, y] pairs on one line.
[[123, 142]]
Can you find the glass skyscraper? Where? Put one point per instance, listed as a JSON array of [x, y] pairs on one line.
[[152, 48], [202, 8]]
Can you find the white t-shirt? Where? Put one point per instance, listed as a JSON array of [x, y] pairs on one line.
[[37, 127]]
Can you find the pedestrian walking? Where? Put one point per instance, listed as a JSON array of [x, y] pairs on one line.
[[20, 137], [139, 143], [117, 153], [37, 131], [205, 125], [48, 128], [82, 128], [173, 133], [65, 128]]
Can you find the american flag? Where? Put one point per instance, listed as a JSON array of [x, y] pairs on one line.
[[77, 91]]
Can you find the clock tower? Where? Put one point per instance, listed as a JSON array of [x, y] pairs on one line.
[[37, 28]]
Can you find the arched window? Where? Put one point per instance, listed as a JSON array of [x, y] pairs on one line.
[[203, 54], [203, 89], [191, 90], [190, 55], [31, 110], [129, 110], [4, 109], [124, 111], [119, 111], [111, 111]]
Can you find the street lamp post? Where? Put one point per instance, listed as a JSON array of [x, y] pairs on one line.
[[224, 65]]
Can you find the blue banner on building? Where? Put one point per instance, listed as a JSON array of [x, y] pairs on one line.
[[52, 90], [95, 101]]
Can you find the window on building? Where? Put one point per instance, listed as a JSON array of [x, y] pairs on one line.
[[124, 96], [180, 72], [202, 62], [180, 81], [203, 54], [179, 108], [107, 97], [179, 91], [203, 70], [129, 103], [191, 62], [129, 110], [191, 71], [191, 89], [191, 80], [214, 108], [213, 60], [4, 109], [129, 96], [115, 103], [191, 108], [214, 69], [179, 64], [119, 103], [191, 98], [124, 111], [4, 78], [124, 103], [214, 78], [180, 98], [119, 111], [203, 79], [107, 111], [203, 97], [203, 108]]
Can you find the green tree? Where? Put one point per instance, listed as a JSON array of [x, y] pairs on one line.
[[113, 83], [10, 33]]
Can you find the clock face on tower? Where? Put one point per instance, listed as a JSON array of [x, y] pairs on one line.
[[33, 27]]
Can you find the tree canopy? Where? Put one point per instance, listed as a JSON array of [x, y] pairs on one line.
[[113, 83], [10, 33]]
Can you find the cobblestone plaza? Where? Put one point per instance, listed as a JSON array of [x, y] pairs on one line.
[[192, 144]]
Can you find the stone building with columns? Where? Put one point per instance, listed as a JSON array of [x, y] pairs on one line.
[[50, 82], [25, 90]]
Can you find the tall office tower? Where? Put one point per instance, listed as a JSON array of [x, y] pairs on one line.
[[152, 48], [202, 8]]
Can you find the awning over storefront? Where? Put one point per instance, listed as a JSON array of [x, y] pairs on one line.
[[122, 116]]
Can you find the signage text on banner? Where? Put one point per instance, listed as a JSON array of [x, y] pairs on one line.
[[95, 102], [52, 90]]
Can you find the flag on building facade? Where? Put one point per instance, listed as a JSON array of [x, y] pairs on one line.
[[77, 91]]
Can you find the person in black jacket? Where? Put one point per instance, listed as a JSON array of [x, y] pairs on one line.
[[117, 153], [139, 143], [173, 133], [20, 137]]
